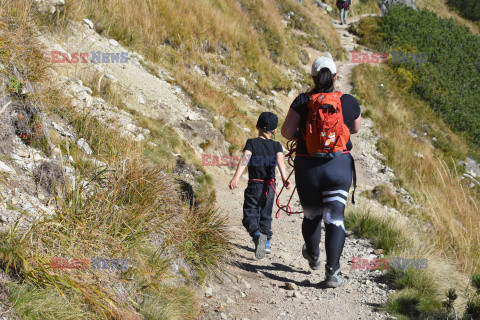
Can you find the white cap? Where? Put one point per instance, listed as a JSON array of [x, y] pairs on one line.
[[323, 62]]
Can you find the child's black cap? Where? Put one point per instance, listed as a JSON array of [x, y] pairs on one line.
[[267, 121]]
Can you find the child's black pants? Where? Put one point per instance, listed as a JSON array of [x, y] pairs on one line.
[[257, 208]]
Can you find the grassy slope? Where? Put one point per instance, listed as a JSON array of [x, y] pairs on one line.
[[132, 210], [227, 39], [455, 99], [448, 208], [448, 211], [434, 178], [443, 10], [426, 166], [419, 292]]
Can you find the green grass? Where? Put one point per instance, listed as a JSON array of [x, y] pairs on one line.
[[467, 8], [380, 231], [166, 142], [368, 30], [115, 219], [33, 302], [447, 206], [205, 145], [358, 7]]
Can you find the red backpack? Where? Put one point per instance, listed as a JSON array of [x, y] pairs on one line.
[[326, 134]]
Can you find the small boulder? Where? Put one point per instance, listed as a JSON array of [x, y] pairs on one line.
[[84, 146], [6, 168], [113, 42], [208, 292], [88, 23], [290, 286]]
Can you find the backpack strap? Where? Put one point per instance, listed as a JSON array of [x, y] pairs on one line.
[[354, 175]]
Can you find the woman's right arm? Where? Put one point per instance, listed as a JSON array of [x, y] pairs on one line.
[[290, 125]]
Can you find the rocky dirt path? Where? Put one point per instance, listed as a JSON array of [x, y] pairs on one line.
[[282, 286]]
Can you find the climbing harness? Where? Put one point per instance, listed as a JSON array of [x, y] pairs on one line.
[[269, 183]]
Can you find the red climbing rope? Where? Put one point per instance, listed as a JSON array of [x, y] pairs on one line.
[[292, 149]]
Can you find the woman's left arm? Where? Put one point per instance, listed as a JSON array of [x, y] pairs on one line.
[[357, 123], [290, 125]]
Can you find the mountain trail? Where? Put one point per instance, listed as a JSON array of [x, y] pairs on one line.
[[282, 286]]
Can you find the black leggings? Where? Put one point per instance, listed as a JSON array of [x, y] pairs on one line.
[[323, 186]]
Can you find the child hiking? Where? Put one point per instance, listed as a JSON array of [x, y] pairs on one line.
[[321, 121], [261, 155]]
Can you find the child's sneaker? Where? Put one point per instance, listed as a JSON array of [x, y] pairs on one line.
[[312, 261], [260, 242], [332, 278], [268, 248]]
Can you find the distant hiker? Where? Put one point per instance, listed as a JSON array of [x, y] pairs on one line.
[[261, 155], [323, 165], [343, 6]]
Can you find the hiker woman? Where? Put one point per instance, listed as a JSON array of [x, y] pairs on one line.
[[343, 6], [323, 182]]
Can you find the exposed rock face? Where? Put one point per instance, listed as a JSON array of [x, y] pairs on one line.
[[385, 4]]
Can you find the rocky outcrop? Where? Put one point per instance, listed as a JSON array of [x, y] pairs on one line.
[[385, 4], [50, 6]]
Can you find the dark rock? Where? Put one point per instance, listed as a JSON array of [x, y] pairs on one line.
[[50, 175], [223, 47], [290, 286]]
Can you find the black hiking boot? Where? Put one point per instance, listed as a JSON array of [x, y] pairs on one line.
[[332, 278]]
